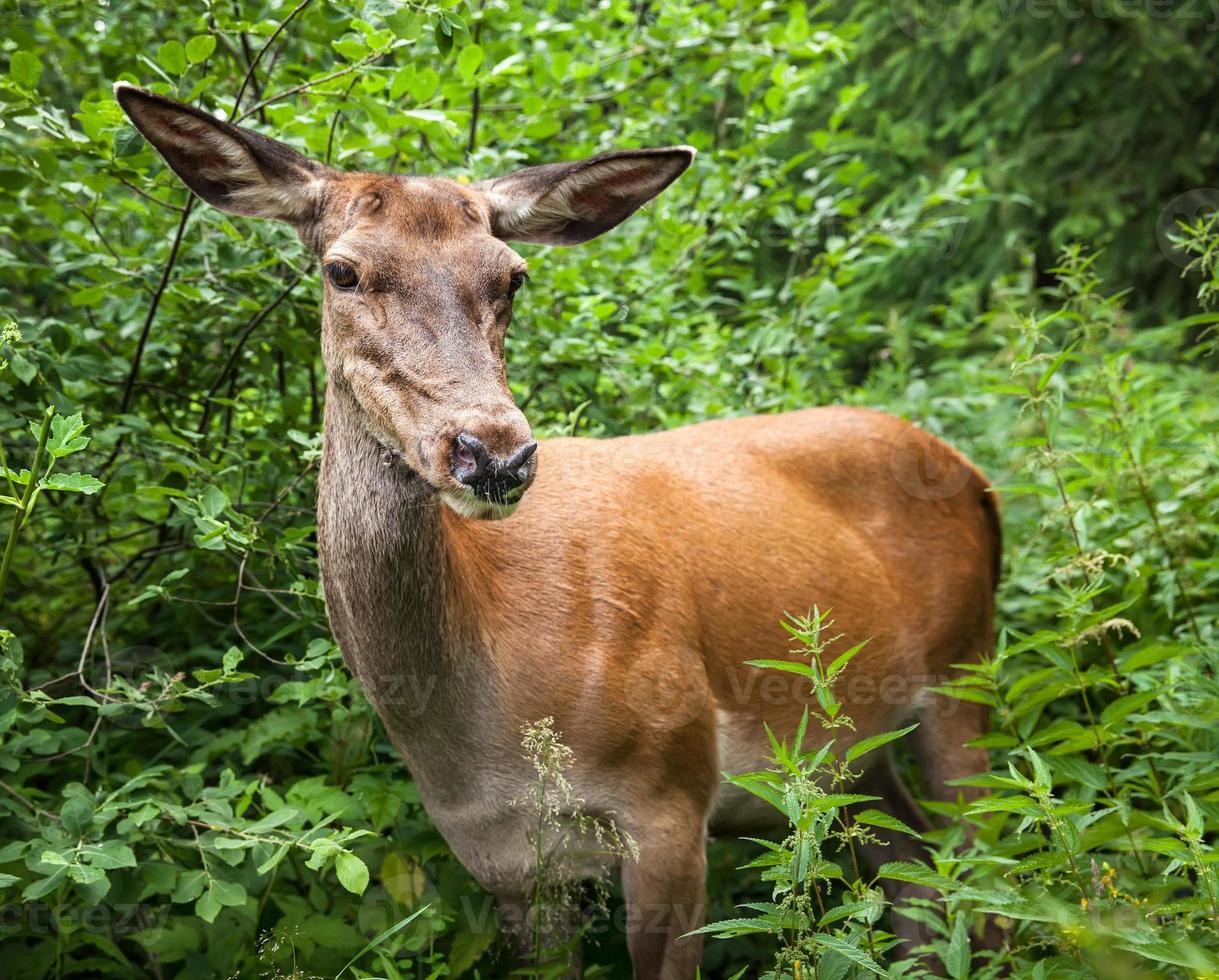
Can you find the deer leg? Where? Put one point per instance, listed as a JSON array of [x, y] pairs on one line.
[[945, 725], [665, 897], [883, 780]]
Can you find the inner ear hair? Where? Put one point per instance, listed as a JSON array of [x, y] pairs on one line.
[[232, 168], [569, 203]]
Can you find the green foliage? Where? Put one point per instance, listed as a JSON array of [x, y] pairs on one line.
[[1095, 846], [822, 914], [882, 213]]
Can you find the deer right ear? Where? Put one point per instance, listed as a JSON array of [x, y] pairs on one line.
[[234, 169], [569, 203]]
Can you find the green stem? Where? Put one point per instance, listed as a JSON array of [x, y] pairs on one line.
[[537, 881], [22, 510], [12, 490]]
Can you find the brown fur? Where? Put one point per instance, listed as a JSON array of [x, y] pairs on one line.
[[637, 575]]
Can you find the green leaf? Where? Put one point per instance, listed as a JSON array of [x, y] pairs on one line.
[[731, 928], [444, 36], [190, 885], [956, 959], [469, 945], [877, 818], [916, 874], [228, 893], [830, 800], [274, 819], [172, 57], [848, 951], [469, 60], [109, 854], [214, 502], [352, 872], [208, 906], [231, 659], [352, 48], [25, 369], [65, 437], [790, 666], [423, 83], [44, 886], [78, 482], [430, 118], [379, 939], [864, 746], [76, 816], [25, 69], [1055, 364], [280, 853], [1127, 705], [200, 48]]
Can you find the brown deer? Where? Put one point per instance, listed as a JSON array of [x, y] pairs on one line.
[[615, 585]]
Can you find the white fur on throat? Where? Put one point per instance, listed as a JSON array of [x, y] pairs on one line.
[[468, 505]]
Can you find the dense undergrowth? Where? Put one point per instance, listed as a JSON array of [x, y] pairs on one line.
[[996, 223]]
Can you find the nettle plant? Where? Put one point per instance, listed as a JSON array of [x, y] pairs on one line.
[[1102, 688], [827, 908], [1093, 852]]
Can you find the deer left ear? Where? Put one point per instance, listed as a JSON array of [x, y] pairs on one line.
[[234, 169], [569, 203]]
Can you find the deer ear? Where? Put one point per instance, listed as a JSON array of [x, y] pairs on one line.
[[569, 203], [234, 169]]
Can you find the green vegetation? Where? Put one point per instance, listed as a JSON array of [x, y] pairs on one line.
[[995, 220]]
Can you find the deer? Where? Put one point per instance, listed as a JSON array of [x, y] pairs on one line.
[[615, 585]]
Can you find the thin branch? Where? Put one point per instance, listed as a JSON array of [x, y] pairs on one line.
[[305, 86], [249, 75], [476, 94], [148, 197], [237, 348], [129, 386], [334, 122]]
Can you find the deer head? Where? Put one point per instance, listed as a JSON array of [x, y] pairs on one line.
[[418, 281]]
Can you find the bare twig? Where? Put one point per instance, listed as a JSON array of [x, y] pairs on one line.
[[305, 86], [249, 75], [129, 386], [238, 346]]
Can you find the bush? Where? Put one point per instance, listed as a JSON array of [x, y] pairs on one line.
[[883, 213]]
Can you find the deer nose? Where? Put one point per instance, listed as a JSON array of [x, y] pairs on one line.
[[490, 476]]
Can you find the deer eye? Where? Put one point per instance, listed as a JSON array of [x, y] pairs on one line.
[[516, 281], [341, 275]]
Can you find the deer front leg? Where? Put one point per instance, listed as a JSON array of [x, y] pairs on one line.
[[665, 897]]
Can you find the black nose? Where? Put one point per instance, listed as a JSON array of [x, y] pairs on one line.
[[488, 475]]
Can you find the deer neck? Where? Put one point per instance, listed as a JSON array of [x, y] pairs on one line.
[[393, 595]]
